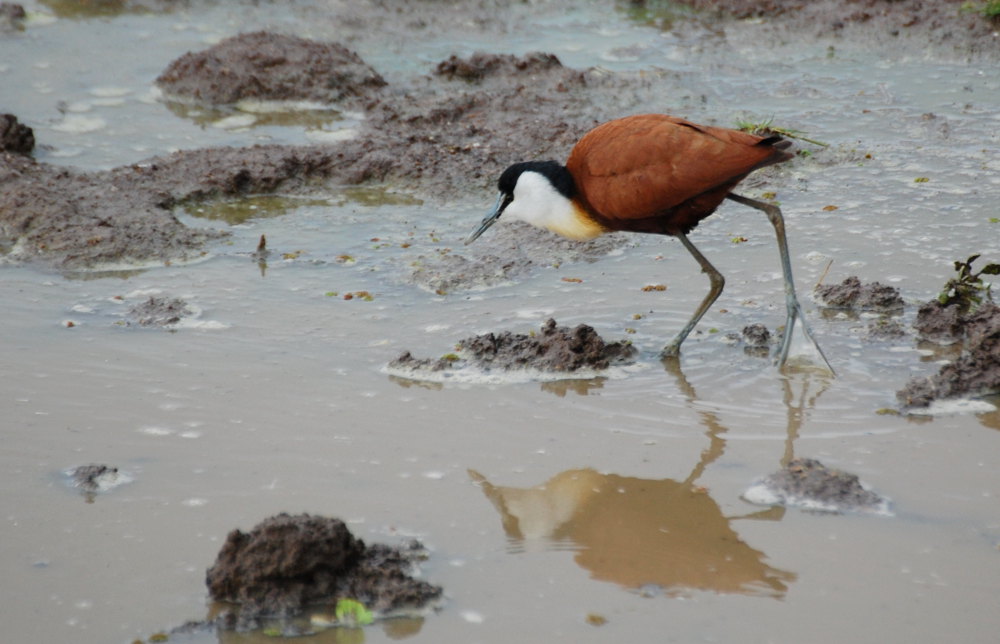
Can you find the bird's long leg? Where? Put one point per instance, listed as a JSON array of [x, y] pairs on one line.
[[794, 310], [717, 281]]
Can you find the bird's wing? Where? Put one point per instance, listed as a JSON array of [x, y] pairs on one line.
[[638, 166]]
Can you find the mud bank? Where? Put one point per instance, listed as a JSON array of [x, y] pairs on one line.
[[290, 564], [442, 134], [962, 28]]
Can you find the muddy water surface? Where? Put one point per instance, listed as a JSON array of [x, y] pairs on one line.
[[574, 511]]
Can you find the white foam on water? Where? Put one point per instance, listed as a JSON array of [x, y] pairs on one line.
[[470, 374], [332, 136], [235, 122], [257, 106], [954, 407], [760, 493], [110, 92], [77, 124]]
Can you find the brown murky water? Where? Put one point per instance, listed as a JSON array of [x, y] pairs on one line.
[[606, 508]]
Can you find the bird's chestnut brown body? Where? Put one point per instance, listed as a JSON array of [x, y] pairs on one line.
[[654, 173], [650, 173]]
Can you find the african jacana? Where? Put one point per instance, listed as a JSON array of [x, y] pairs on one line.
[[649, 173]]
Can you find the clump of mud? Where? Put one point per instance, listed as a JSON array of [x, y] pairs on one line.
[[554, 349], [11, 18], [852, 294], [756, 340], [976, 372], [290, 564], [14, 136], [269, 66], [159, 311], [808, 484], [88, 477], [756, 335], [94, 479], [942, 323]]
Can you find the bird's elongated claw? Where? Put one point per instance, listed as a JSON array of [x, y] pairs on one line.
[[795, 312]]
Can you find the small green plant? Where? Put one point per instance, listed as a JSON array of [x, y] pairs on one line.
[[967, 290], [351, 612], [767, 128]]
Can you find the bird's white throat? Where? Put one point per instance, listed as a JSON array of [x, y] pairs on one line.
[[537, 202]]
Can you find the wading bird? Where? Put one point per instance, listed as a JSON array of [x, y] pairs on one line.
[[649, 173]]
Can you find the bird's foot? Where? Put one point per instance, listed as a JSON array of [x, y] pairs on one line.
[[671, 352], [795, 314]]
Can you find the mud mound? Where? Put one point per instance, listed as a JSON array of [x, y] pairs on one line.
[[808, 484], [555, 349], [269, 66], [290, 563], [976, 372], [852, 294]]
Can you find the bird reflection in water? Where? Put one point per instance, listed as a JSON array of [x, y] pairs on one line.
[[638, 532], [662, 533]]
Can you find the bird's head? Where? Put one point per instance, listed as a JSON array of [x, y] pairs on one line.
[[537, 192]]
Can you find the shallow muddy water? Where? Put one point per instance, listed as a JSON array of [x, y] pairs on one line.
[[587, 510]]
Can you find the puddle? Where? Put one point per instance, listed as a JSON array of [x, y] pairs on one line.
[[274, 397]]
